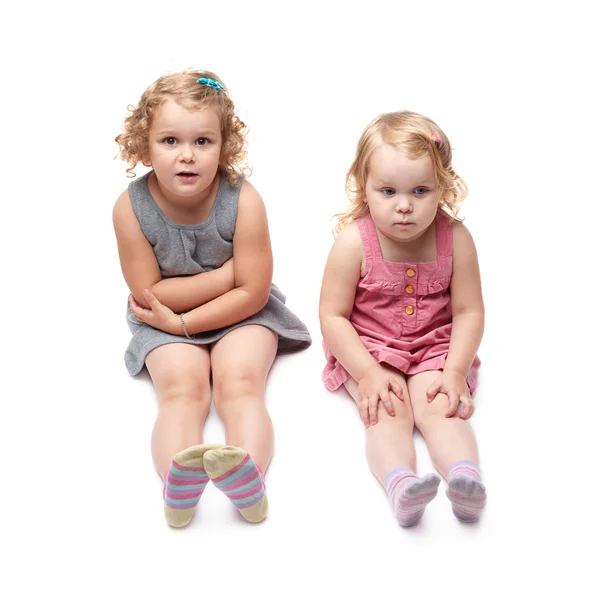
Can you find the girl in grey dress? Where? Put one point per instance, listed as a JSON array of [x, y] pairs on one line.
[[195, 252]]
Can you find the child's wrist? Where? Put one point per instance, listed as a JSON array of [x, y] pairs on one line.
[[367, 368], [455, 371], [181, 326]]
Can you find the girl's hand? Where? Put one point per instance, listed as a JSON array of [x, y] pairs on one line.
[[376, 385], [159, 316], [454, 385]]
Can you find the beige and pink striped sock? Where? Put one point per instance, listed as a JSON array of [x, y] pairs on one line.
[[234, 472], [184, 483]]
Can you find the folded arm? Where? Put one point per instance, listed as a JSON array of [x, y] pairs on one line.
[[253, 269], [141, 270]]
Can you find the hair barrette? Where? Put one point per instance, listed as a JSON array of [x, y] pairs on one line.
[[215, 85], [436, 138]]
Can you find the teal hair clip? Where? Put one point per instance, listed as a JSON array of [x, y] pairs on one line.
[[215, 85]]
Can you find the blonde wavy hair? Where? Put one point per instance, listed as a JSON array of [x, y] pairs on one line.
[[415, 135], [184, 89]]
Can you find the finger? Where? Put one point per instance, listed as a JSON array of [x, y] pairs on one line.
[[364, 412], [452, 404], [397, 389], [433, 390], [386, 398], [467, 407], [139, 313], [136, 309], [150, 297], [138, 316], [373, 402], [399, 399]]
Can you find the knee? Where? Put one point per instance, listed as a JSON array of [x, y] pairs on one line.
[[403, 413], [231, 387], [432, 412], [185, 390]]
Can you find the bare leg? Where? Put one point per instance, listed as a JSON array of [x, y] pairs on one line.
[[181, 376], [448, 439], [240, 363], [391, 456], [389, 443]]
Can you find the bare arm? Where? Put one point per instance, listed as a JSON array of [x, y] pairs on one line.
[[188, 292], [341, 276], [467, 303], [141, 270], [253, 268]]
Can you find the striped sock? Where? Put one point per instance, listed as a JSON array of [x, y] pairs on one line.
[[234, 472], [410, 494], [184, 484], [465, 491]]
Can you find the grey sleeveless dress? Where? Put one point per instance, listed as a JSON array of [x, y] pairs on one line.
[[191, 249]]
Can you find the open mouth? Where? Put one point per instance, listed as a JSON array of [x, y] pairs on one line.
[[187, 175]]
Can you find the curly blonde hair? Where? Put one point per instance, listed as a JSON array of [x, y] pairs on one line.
[[184, 88], [417, 136]]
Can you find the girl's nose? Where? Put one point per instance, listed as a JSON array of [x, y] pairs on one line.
[[186, 154], [403, 205]]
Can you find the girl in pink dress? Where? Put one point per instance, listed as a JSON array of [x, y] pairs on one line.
[[402, 313]]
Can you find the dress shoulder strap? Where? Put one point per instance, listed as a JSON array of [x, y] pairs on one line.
[[226, 207], [443, 226], [368, 236]]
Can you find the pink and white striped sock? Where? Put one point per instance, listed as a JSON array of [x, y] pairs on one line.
[[410, 494], [465, 491]]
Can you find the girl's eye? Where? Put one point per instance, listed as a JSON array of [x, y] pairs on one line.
[[420, 191], [388, 192], [202, 141], [170, 141]]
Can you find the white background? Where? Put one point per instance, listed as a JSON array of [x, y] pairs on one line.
[[513, 88]]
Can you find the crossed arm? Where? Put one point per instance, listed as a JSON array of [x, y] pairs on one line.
[[214, 299]]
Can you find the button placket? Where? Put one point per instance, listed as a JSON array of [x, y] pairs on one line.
[[409, 309]]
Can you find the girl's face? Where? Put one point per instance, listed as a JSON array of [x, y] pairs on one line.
[[184, 147], [401, 193]]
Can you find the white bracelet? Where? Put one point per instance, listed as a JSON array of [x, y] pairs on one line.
[[187, 335]]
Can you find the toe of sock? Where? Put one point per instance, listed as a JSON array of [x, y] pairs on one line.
[[193, 456], [211, 462], [424, 485], [223, 459], [466, 486]]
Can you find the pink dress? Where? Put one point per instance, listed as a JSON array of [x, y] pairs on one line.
[[402, 311]]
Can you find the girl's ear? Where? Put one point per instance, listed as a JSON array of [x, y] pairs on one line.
[[146, 160]]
